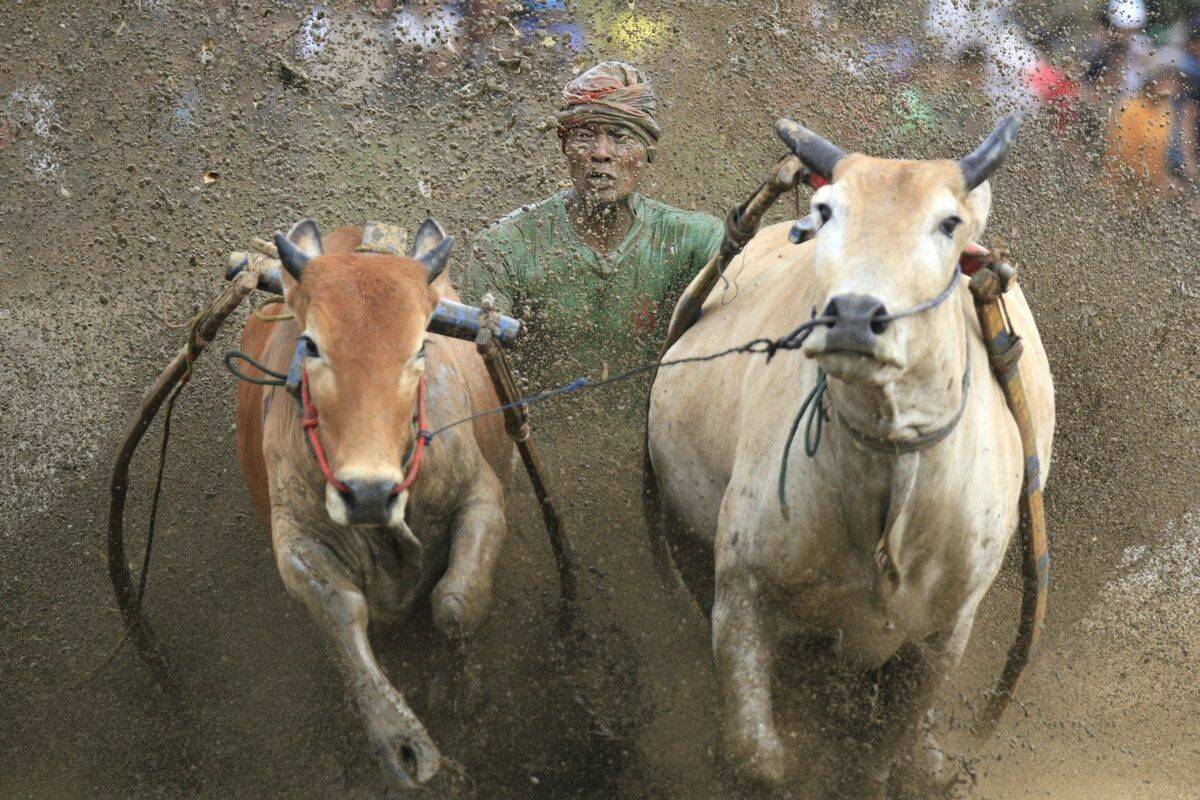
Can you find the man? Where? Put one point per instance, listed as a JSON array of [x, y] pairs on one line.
[[595, 271], [1184, 136]]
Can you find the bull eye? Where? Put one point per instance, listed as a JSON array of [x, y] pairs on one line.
[[310, 347], [825, 211], [950, 225]]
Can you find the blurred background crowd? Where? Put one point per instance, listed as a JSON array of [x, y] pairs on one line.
[[1120, 78]]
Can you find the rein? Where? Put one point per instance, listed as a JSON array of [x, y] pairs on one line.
[[309, 422]]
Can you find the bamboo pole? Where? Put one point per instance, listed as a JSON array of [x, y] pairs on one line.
[[200, 335]]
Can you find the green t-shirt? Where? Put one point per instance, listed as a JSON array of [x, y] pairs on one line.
[[584, 310]]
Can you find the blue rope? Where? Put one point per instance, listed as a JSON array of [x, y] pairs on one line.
[[768, 347], [814, 408]]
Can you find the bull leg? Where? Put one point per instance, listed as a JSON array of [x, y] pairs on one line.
[[918, 764], [744, 657], [462, 597], [316, 576], [901, 752]]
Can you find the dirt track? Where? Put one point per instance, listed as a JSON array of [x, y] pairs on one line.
[[108, 120]]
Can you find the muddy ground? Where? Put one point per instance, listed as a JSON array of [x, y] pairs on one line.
[[109, 118]]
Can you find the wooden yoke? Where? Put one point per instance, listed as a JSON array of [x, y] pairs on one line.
[[988, 284], [741, 224], [516, 423]]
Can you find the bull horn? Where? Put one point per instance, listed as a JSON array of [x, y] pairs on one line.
[[294, 259], [987, 158], [818, 154], [435, 260]]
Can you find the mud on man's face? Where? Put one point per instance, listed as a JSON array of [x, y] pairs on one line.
[[606, 161]]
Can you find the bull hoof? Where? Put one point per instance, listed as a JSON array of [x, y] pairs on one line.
[[922, 776], [406, 754], [454, 614], [406, 764], [451, 783], [759, 761]]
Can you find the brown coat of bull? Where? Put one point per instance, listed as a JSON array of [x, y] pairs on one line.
[[363, 318]]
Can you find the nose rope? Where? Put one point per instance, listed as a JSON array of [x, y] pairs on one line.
[[309, 422], [768, 347], [814, 405], [928, 304], [423, 438]]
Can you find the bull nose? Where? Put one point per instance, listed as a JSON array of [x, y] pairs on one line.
[[857, 319], [368, 502]]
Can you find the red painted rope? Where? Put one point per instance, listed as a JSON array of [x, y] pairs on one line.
[[414, 465], [308, 421]]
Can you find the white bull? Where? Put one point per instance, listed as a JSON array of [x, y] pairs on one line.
[[900, 521]]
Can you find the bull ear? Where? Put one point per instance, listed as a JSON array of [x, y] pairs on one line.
[[429, 236], [435, 260], [302, 243], [979, 200], [432, 248], [307, 238]]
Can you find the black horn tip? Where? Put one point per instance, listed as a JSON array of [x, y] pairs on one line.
[[818, 154], [987, 158], [293, 258]]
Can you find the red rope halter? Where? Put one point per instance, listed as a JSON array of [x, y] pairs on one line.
[[308, 421]]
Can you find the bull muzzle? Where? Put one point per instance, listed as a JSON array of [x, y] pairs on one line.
[[369, 502], [857, 322]]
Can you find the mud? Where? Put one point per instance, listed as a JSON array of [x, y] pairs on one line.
[[109, 119]]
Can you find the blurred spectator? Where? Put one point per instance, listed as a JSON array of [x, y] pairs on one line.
[[1055, 90], [1119, 51], [1141, 129], [1010, 59], [432, 29], [541, 18], [1184, 144]]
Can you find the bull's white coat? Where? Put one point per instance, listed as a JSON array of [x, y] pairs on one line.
[[881, 551]]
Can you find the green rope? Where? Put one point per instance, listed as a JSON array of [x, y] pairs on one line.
[[275, 379], [814, 408]]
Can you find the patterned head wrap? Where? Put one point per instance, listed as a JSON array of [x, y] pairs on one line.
[[612, 92]]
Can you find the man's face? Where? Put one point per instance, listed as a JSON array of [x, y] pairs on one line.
[[606, 161]]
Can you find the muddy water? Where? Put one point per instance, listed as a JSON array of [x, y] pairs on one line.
[[109, 118]]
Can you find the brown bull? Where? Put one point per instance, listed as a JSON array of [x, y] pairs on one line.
[[351, 543]]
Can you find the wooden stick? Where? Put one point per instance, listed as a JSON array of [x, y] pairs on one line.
[[1004, 350], [740, 227], [516, 423], [200, 335]]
